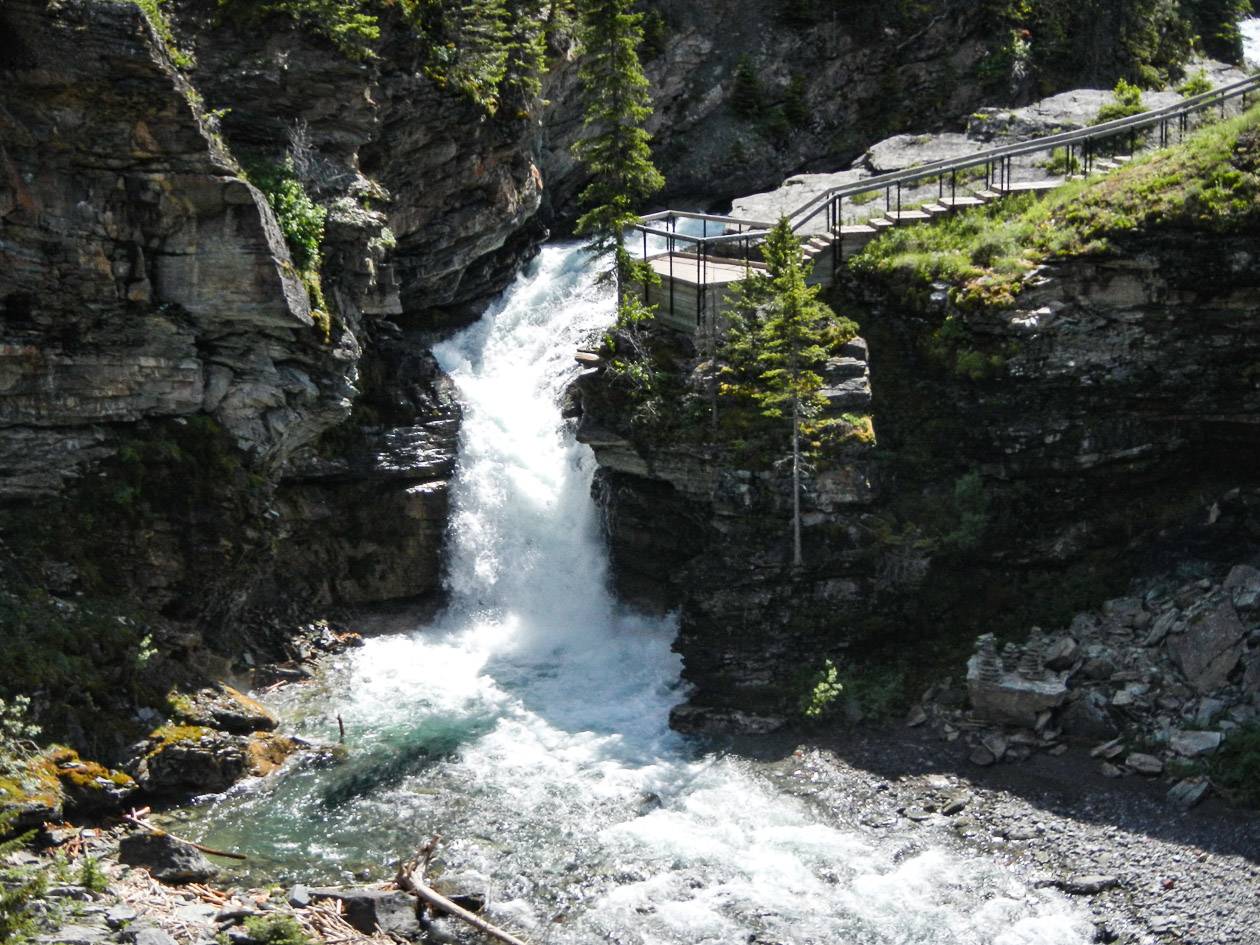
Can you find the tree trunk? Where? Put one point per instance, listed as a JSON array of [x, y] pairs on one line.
[[797, 560]]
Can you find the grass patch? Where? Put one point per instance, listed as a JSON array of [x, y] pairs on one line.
[[1209, 183]]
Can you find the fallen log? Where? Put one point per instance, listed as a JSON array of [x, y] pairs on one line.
[[409, 880]]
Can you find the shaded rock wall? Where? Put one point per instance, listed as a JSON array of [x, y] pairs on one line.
[[1124, 405]]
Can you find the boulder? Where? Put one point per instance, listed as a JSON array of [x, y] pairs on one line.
[[90, 789], [167, 859], [1087, 716], [224, 708], [1195, 744], [1210, 647], [1243, 584], [1186, 794], [394, 913], [1148, 765]]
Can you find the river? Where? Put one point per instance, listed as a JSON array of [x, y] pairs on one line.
[[529, 724]]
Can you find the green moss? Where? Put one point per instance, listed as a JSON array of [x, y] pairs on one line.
[[74, 772], [168, 736], [1211, 183], [154, 13]]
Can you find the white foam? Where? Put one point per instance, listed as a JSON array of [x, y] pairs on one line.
[[529, 724]]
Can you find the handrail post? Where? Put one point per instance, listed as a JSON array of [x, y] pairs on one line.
[[670, 244]]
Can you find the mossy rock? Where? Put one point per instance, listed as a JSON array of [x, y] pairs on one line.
[[224, 708], [90, 788], [267, 751], [33, 793]]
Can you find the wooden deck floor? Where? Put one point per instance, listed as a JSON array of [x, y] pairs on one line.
[[689, 270]]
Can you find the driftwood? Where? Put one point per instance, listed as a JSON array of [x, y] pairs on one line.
[[137, 819], [410, 879]]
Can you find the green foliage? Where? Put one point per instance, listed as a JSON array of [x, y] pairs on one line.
[[350, 25], [1127, 101], [747, 96], [655, 35], [276, 929], [1057, 42], [615, 148], [18, 887], [821, 692], [154, 13], [1061, 161], [301, 219], [970, 512], [1235, 768], [1216, 22], [874, 693], [91, 876], [1196, 84], [795, 106], [16, 730], [1211, 183]]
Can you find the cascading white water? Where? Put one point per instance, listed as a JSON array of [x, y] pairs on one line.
[[528, 725], [1251, 41]]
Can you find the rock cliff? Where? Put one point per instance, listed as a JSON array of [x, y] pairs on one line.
[[1030, 460]]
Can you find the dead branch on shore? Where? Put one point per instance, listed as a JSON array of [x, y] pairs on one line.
[[410, 878], [137, 819]]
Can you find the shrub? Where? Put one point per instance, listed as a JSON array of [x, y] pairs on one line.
[[301, 219], [152, 10], [342, 22], [1197, 84], [276, 930], [747, 98], [1127, 100], [18, 887], [1235, 768], [821, 691]]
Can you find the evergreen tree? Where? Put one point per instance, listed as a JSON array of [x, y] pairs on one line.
[[776, 345], [615, 148]]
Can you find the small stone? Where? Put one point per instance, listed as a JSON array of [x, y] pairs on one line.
[[982, 757], [1062, 654], [1148, 765], [120, 915], [996, 744], [75, 935], [1243, 583], [917, 814], [151, 936], [1108, 750], [299, 897], [1194, 744], [1088, 884], [1111, 771], [1058, 749], [1186, 794], [1207, 712], [1021, 833], [956, 804], [1159, 630], [916, 717]]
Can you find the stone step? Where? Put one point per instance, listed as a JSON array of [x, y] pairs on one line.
[[880, 223], [957, 202], [988, 194], [935, 209], [1105, 165], [817, 242], [903, 217], [858, 229], [1029, 186], [1122, 158]]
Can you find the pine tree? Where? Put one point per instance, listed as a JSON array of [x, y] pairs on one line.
[[776, 345], [615, 148]]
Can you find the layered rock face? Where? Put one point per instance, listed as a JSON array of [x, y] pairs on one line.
[[1115, 408], [175, 423]]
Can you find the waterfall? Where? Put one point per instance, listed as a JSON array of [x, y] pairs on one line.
[[529, 724]]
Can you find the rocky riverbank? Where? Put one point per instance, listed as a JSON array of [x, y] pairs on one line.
[[1144, 871]]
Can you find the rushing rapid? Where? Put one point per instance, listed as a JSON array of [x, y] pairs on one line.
[[1251, 41], [529, 724]]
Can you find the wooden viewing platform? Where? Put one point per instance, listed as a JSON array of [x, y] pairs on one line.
[[698, 270]]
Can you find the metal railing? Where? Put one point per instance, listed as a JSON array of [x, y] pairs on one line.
[[1081, 154]]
